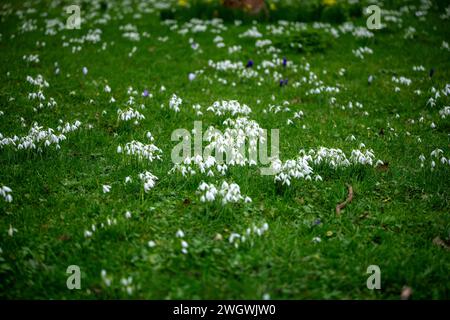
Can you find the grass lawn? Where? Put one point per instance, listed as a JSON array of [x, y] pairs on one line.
[[69, 202]]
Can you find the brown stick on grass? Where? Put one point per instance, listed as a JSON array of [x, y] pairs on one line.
[[349, 199]]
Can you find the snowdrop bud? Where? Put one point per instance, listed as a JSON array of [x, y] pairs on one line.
[[85, 70], [11, 230], [179, 234]]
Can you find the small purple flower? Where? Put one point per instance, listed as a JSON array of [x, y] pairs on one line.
[[145, 93], [317, 222], [249, 64], [283, 82], [284, 62]]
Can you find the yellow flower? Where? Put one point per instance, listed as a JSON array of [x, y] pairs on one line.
[[182, 3], [329, 233], [273, 7], [329, 2]]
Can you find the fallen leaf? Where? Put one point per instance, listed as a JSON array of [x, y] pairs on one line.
[[406, 293]]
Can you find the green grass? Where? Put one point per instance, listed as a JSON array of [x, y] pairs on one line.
[[391, 222]]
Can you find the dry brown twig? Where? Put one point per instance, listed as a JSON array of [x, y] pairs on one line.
[[349, 199]]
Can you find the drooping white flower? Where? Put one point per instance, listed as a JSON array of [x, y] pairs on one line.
[[11, 230], [180, 234], [106, 188]]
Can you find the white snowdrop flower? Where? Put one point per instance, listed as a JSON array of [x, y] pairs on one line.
[[444, 112], [85, 70], [433, 164], [151, 244], [361, 51], [184, 251], [149, 136], [11, 230], [128, 179], [436, 153], [433, 126], [126, 281], [247, 199], [87, 234], [379, 163], [316, 239], [401, 80], [175, 103], [107, 89], [251, 33], [149, 180], [106, 188], [191, 76], [105, 278], [266, 296], [31, 58], [233, 236], [142, 151], [129, 114], [184, 244], [128, 214], [162, 89], [232, 106], [180, 234], [5, 191], [119, 149]]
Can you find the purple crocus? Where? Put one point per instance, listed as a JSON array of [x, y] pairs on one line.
[[317, 222], [283, 82], [284, 62], [145, 93], [249, 64]]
